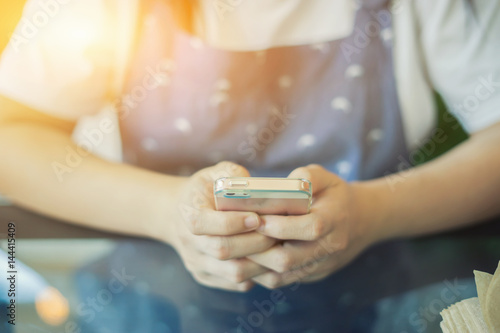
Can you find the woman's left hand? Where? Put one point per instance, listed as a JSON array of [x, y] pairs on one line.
[[319, 243]]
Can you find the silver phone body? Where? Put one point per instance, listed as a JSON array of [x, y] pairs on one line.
[[276, 196]]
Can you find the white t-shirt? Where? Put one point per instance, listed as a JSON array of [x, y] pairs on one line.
[[58, 60]]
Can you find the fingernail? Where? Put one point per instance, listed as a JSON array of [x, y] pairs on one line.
[[252, 222]]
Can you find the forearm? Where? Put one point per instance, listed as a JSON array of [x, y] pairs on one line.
[[459, 188], [96, 193]]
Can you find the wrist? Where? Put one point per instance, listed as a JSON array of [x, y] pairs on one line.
[[165, 212], [371, 211]]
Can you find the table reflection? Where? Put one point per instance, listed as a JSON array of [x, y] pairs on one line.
[[142, 286]]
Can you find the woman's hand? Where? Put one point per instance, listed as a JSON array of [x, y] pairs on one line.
[[213, 244], [319, 243]]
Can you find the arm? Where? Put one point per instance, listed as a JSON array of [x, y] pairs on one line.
[[457, 189], [126, 199], [97, 193]]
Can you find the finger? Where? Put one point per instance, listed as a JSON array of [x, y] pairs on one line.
[[238, 270], [225, 169], [293, 255], [316, 278], [219, 283], [310, 226], [234, 271], [313, 271], [215, 223], [320, 177], [273, 280], [238, 246], [202, 183]]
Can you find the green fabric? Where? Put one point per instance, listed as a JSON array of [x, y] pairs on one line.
[[449, 133]]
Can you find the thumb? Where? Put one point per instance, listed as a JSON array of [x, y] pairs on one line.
[[320, 177], [228, 169]]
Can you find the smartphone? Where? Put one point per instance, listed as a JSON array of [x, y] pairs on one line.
[[276, 196]]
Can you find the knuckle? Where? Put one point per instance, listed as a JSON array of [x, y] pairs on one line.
[[245, 286], [223, 169], [284, 262], [199, 278], [190, 267], [200, 198], [266, 242], [194, 225], [237, 273], [232, 169], [318, 227], [315, 166], [225, 165], [304, 172], [188, 212], [197, 178], [220, 248], [225, 223], [185, 239], [189, 215], [273, 281]]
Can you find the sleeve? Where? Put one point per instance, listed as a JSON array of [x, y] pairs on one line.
[[59, 58], [461, 48]]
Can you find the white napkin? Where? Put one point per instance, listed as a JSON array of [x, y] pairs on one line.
[[478, 314]]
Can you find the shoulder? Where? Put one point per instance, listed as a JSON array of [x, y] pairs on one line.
[[258, 25], [62, 54], [460, 46]]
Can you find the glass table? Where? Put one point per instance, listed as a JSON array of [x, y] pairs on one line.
[[76, 280]]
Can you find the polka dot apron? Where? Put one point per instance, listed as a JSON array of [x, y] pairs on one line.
[[335, 103]]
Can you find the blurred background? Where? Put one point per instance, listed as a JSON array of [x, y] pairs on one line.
[[10, 14], [38, 255]]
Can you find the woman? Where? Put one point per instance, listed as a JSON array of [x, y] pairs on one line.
[[338, 92]]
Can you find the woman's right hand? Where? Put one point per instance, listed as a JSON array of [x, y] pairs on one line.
[[212, 244]]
